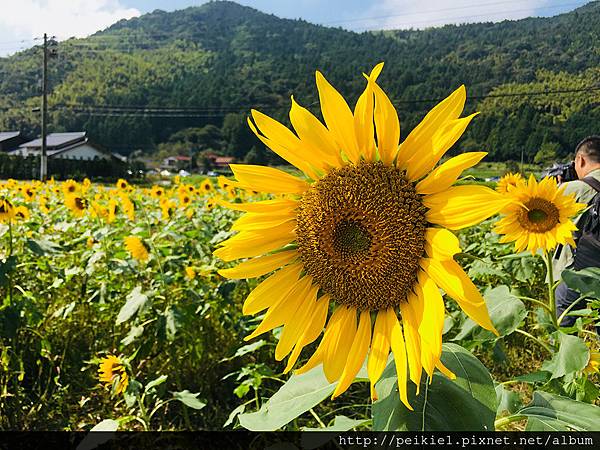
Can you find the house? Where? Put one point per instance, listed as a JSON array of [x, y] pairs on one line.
[[222, 162], [176, 162], [9, 140], [64, 145]]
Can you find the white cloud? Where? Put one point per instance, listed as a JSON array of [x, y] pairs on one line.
[[403, 14], [27, 19]]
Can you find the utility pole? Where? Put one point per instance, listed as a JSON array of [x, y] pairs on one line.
[[43, 156]]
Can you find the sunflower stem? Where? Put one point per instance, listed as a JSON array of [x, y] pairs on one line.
[[10, 252], [537, 302], [550, 278], [504, 421], [531, 336], [317, 418]]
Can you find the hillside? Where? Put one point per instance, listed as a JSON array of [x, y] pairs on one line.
[[214, 62]]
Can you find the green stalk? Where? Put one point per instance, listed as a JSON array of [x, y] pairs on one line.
[[532, 337], [504, 421], [551, 296]]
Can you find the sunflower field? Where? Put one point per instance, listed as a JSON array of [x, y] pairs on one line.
[[372, 289]]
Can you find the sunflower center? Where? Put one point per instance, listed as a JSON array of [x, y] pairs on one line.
[[351, 237], [540, 216], [361, 234]]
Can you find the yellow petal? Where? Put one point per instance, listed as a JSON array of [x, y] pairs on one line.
[[338, 117], [424, 161], [413, 342], [272, 289], [442, 368], [284, 310], [357, 355], [295, 326], [278, 206], [259, 266], [430, 328], [284, 143], [463, 206], [387, 126], [380, 350], [259, 221], [313, 329], [247, 244], [363, 123], [268, 179], [314, 134], [454, 281], [399, 351], [441, 243], [445, 175], [420, 137], [339, 343]]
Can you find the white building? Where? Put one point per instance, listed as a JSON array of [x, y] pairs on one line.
[[63, 145]]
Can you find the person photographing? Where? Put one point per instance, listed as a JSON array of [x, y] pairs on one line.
[[586, 189]]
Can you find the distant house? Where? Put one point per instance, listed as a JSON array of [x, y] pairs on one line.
[[222, 162], [176, 162], [65, 146], [9, 140]]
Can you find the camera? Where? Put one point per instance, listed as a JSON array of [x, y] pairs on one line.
[[565, 171]]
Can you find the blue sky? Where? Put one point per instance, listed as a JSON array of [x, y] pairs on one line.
[[25, 20]]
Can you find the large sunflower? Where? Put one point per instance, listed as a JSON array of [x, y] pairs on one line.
[[366, 230], [540, 216]]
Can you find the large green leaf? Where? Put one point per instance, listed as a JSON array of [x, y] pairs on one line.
[[507, 400], [189, 399], [298, 395], [585, 281], [572, 355], [135, 301], [553, 411], [467, 403], [506, 312]]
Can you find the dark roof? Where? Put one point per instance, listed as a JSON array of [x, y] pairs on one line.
[[57, 140], [6, 135]]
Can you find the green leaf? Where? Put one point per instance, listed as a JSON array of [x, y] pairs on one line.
[[467, 403], [572, 355], [246, 349], [545, 424], [6, 267], [173, 319], [554, 410], [107, 425], [189, 399], [506, 312], [585, 281], [154, 383], [298, 395], [507, 400], [340, 423], [42, 247], [535, 377], [134, 302]]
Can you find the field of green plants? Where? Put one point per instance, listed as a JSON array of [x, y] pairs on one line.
[[113, 314]]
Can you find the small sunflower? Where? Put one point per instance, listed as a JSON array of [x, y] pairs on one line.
[[76, 204], [128, 206], [190, 272], [122, 184], [7, 210], [593, 365], [211, 203], [184, 200], [113, 210], [70, 187], [540, 216], [224, 183], [22, 213], [366, 229], [112, 371], [206, 186], [29, 193], [157, 192], [137, 248], [167, 208], [508, 182]]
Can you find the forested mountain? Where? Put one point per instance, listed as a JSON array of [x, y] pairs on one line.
[[190, 77]]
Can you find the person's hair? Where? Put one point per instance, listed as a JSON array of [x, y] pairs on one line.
[[590, 148]]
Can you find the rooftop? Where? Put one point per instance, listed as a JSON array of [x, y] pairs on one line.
[[6, 135], [57, 140]]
